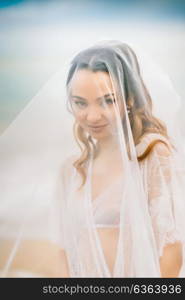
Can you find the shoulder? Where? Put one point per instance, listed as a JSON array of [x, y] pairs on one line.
[[67, 167], [162, 149], [157, 143], [68, 162], [65, 174]]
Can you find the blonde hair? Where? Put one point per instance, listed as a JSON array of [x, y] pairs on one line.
[[140, 114], [138, 120]]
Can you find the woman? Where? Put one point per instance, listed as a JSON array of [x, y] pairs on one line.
[[113, 114], [118, 203]]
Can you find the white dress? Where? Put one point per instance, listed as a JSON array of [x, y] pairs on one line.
[[163, 208]]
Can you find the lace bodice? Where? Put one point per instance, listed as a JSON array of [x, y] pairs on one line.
[[158, 171]]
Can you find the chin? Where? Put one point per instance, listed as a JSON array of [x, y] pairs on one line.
[[99, 135]]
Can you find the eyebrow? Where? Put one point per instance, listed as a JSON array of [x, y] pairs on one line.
[[99, 98]]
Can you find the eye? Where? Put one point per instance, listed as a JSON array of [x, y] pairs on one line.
[[80, 104], [108, 101]]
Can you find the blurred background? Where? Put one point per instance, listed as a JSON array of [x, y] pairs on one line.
[[38, 36]]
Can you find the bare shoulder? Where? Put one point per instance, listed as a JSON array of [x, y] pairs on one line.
[[67, 167], [65, 172], [69, 160]]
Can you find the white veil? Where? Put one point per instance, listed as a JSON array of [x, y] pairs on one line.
[[127, 206]]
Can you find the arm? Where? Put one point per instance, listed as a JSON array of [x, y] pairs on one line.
[[37, 258], [62, 268], [58, 228], [171, 260], [162, 205]]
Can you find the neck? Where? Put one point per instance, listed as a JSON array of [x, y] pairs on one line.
[[108, 146]]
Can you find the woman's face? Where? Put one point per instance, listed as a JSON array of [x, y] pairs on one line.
[[92, 100]]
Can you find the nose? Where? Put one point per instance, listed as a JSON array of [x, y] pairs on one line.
[[94, 114]]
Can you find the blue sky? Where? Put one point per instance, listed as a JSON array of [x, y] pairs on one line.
[[82, 9]]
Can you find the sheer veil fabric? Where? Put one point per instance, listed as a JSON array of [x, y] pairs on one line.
[[76, 183]]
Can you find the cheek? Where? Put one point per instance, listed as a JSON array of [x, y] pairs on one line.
[[122, 113], [79, 116], [113, 112], [121, 110], [112, 115]]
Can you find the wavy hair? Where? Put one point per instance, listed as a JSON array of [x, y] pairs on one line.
[[141, 118]]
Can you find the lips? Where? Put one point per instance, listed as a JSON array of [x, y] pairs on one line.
[[96, 127]]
